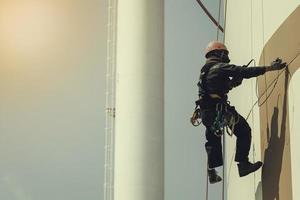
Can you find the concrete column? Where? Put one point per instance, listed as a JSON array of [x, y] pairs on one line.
[[139, 101]]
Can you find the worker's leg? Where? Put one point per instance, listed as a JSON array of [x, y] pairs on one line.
[[213, 148], [242, 131], [213, 145]]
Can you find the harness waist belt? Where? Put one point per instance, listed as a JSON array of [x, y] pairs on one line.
[[215, 96]]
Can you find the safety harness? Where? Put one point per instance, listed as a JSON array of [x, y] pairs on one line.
[[225, 118], [202, 93]]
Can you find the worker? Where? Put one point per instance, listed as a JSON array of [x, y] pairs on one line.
[[217, 78]]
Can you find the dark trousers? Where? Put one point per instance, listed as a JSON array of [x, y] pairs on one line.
[[213, 146]]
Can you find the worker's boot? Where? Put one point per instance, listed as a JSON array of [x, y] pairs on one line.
[[246, 167], [213, 176]]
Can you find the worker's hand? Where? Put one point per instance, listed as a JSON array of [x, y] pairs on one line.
[[277, 65]]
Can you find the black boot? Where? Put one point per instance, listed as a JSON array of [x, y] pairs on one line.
[[246, 167], [213, 176]]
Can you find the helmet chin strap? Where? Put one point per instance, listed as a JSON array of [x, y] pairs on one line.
[[224, 57], [220, 56]]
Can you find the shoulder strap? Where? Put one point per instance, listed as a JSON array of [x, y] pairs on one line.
[[202, 79]]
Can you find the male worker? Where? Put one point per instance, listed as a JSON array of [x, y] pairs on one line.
[[217, 78]]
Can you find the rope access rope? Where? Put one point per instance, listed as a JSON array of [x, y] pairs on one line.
[[275, 80], [252, 98], [224, 162], [223, 30], [219, 15], [209, 15]]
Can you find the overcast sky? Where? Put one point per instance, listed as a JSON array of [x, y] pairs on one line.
[[52, 80], [52, 99], [187, 32]]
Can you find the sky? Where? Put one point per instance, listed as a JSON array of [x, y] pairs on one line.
[[187, 32], [52, 105]]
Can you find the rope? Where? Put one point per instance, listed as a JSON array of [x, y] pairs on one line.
[[224, 142], [207, 182], [274, 81], [194, 122], [219, 28], [224, 153], [229, 171], [252, 60], [219, 15], [225, 18], [252, 100], [209, 15], [224, 164], [264, 56]]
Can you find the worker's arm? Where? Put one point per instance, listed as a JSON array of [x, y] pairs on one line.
[[249, 72], [242, 72]]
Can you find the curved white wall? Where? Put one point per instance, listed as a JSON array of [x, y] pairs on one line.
[[248, 29], [139, 101], [294, 111]]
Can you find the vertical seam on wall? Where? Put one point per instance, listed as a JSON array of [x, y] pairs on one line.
[[252, 99], [264, 59]]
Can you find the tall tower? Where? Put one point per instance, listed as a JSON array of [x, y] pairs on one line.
[[139, 139]]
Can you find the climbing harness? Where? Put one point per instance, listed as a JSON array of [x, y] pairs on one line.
[[220, 121], [225, 118]]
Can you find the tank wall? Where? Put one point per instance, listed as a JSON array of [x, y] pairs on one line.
[[248, 30], [294, 114]]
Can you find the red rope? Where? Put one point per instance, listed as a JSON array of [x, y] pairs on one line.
[[210, 16]]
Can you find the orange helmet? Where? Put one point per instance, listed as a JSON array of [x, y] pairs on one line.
[[214, 45]]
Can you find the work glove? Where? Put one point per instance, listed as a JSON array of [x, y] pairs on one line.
[[277, 65]]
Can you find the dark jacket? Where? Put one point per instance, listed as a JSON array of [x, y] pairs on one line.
[[219, 78]]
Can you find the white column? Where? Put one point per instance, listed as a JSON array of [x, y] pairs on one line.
[[139, 101]]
